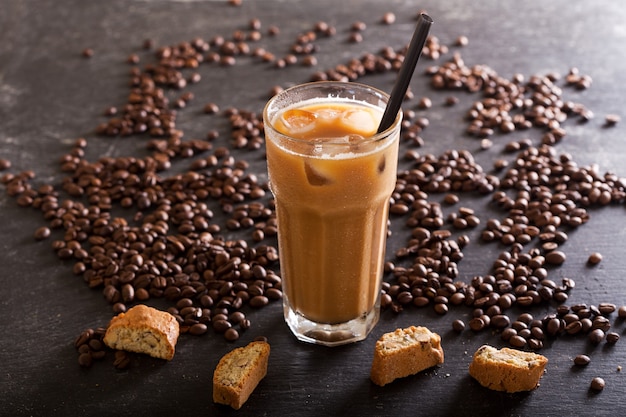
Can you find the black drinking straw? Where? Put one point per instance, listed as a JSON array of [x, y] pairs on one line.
[[406, 72]]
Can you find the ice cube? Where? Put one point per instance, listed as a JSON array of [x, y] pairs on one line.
[[298, 121], [314, 176], [359, 121], [328, 114]]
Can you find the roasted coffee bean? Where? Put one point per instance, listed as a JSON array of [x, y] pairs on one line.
[[42, 233], [198, 329], [612, 337], [122, 360], [220, 326], [582, 360], [597, 384], [507, 334], [85, 360], [606, 308], [388, 18], [601, 323], [517, 341], [555, 257], [596, 336], [500, 321], [612, 119], [440, 308], [574, 327], [258, 301], [535, 344], [477, 324], [231, 335], [458, 326], [595, 258], [421, 301]]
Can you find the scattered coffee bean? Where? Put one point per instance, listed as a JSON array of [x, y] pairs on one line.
[[388, 18], [458, 326], [596, 336], [461, 41], [582, 360], [211, 108], [231, 334], [424, 103], [612, 338], [556, 257], [517, 341], [595, 258], [42, 233], [612, 119], [597, 384], [122, 360]]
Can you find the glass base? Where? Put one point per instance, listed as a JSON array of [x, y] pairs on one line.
[[331, 334]]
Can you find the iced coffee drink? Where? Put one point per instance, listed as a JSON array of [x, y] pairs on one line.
[[332, 176]]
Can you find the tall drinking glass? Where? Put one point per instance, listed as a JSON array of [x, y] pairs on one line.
[[332, 176]]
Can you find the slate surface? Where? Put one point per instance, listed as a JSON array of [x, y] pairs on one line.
[[50, 95]]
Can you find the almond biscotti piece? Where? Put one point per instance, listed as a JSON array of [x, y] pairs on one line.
[[144, 329], [239, 372], [509, 370], [405, 352]]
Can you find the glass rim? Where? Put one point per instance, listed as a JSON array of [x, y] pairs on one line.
[[310, 85]]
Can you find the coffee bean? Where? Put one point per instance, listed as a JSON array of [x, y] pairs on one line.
[[258, 301], [477, 324], [440, 308], [574, 327], [198, 329], [507, 334], [461, 41], [611, 119], [595, 258], [597, 384], [388, 18], [424, 103], [596, 336], [582, 360], [612, 338], [458, 326], [220, 326], [535, 344], [606, 308], [122, 360], [500, 321], [517, 341], [85, 360], [231, 335], [555, 257], [42, 233]]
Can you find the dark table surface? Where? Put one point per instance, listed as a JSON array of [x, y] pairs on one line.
[[51, 95]]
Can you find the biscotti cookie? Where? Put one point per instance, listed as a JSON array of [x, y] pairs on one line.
[[144, 329], [239, 372], [507, 369], [405, 352]]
